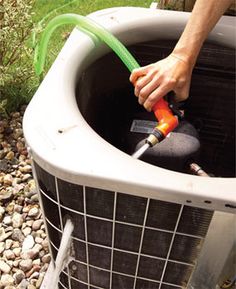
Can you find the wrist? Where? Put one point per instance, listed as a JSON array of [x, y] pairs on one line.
[[187, 49], [187, 58]]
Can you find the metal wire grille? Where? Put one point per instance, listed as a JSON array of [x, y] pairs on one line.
[[121, 240]]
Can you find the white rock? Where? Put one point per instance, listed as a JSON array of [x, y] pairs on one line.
[[17, 235], [7, 279], [19, 276], [37, 224], [26, 177], [37, 262], [37, 247], [2, 247], [26, 169], [28, 243], [38, 240], [23, 284], [46, 258], [7, 220], [26, 265], [16, 263], [43, 235], [2, 211], [8, 229], [4, 235], [4, 267], [33, 212], [17, 251], [26, 209], [45, 243], [10, 263], [18, 208], [15, 244], [17, 220], [35, 275], [8, 244], [26, 231], [29, 223], [9, 255], [7, 180], [34, 198]]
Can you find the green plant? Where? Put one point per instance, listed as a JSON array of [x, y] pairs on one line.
[[17, 78]]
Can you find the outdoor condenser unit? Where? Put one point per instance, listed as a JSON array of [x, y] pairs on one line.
[[137, 226]]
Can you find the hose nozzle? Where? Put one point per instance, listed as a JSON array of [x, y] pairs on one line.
[[167, 122]]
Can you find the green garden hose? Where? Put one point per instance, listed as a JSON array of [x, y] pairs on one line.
[[88, 25]]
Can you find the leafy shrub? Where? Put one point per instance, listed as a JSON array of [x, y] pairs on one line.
[[17, 78]]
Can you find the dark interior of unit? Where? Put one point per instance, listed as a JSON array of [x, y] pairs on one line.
[[106, 100]]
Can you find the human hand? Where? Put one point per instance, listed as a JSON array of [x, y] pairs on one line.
[[154, 81]]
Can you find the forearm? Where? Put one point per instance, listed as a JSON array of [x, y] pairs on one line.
[[173, 73], [203, 18]]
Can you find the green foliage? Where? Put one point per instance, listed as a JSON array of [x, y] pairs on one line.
[[17, 78], [18, 23]]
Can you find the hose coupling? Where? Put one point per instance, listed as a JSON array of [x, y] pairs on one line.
[[155, 137]]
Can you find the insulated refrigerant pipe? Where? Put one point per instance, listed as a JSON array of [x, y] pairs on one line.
[[166, 120]]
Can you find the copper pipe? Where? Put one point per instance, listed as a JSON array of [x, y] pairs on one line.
[[197, 170]]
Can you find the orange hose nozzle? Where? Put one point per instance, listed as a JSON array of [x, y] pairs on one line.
[[167, 122]]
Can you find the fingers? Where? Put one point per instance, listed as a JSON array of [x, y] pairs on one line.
[[145, 88], [137, 73], [145, 80], [155, 96], [152, 88]]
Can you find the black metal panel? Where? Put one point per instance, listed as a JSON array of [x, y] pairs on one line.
[[130, 209], [99, 278], [78, 271], [99, 257], [124, 262], [99, 202], [52, 210], [150, 268], [162, 215], [156, 243], [195, 221], [121, 282], [141, 284], [78, 285], [99, 231], [64, 279], [178, 274], [185, 249], [71, 195], [53, 249], [111, 247], [46, 182], [127, 237]]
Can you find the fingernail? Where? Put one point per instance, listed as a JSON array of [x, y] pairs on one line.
[[140, 101]]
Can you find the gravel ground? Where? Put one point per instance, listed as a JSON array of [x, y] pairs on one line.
[[24, 255]]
